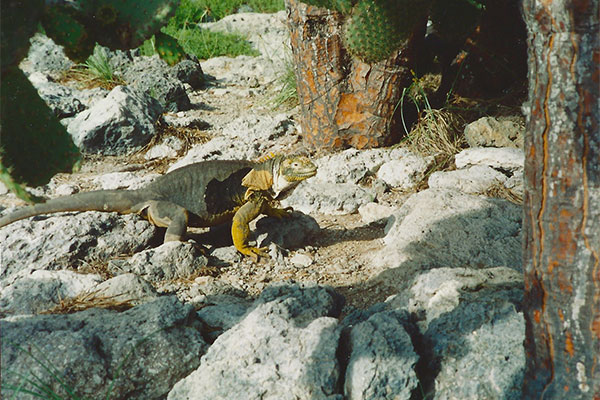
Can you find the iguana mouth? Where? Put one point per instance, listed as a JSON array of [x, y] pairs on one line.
[[299, 176]]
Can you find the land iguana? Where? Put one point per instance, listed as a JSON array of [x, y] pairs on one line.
[[203, 194]]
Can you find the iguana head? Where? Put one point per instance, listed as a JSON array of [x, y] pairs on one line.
[[291, 171], [280, 174]]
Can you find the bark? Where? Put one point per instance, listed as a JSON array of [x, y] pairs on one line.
[[344, 102], [562, 201]]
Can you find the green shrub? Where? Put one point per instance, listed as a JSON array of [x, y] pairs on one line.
[[205, 44]]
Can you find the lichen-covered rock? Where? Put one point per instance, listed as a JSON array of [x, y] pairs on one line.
[[502, 158], [382, 360], [66, 240], [171, 260], [284, 348], [316, 196], [128, 288], [120, 123], [136, 354], [42, 290], [442, 227], [474, 179], [244, 138], [492, 132], [46, 56], [470, 331], [404, 173]]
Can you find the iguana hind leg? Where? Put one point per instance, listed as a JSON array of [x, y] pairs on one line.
[[168, 215]]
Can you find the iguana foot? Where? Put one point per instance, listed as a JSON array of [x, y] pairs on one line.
[[253, 252], [280, 212]]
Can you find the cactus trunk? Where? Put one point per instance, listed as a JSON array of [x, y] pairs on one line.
[[345, 101]]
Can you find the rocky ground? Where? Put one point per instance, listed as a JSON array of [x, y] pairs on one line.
[[379, 286]]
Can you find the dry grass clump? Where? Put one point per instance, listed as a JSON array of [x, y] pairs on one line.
[[86, 300], [437, 132]]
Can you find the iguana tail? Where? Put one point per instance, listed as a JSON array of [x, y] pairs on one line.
[[121, 201]]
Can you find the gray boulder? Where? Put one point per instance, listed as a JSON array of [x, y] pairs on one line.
[[97, 353], [441, 227], [153, 77], [474, 179], [46, 56], [42, 290], [288, 232], [66, 240], [168, 261], [120, 123], [126, 288], [382, 360], [492, 132], [62, 100], [284, 348], [190, 72], [471, 332], [314, 196]]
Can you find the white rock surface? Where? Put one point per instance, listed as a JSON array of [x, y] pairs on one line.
[[123, 180], [371, 212], [441, 227], [475, 179], [506, 158], [404, 173]]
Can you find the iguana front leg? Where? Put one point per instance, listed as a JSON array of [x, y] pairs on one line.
[[240, 231], [277, 212]]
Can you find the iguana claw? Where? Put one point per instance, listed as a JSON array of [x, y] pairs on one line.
[[254, 252]]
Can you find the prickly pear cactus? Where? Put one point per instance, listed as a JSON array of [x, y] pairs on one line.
[[125, 24], [35, 144], [378, 27], [168, 49], [19, 20], [117, 24], [373, 29], [62, 25]]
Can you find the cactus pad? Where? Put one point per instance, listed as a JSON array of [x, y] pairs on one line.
[[19, 20], [378, 27], [125, 24], [62, 25], [35, 144], [168, 49]]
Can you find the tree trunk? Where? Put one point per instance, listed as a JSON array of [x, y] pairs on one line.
[[344, 102], [562, 201]]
